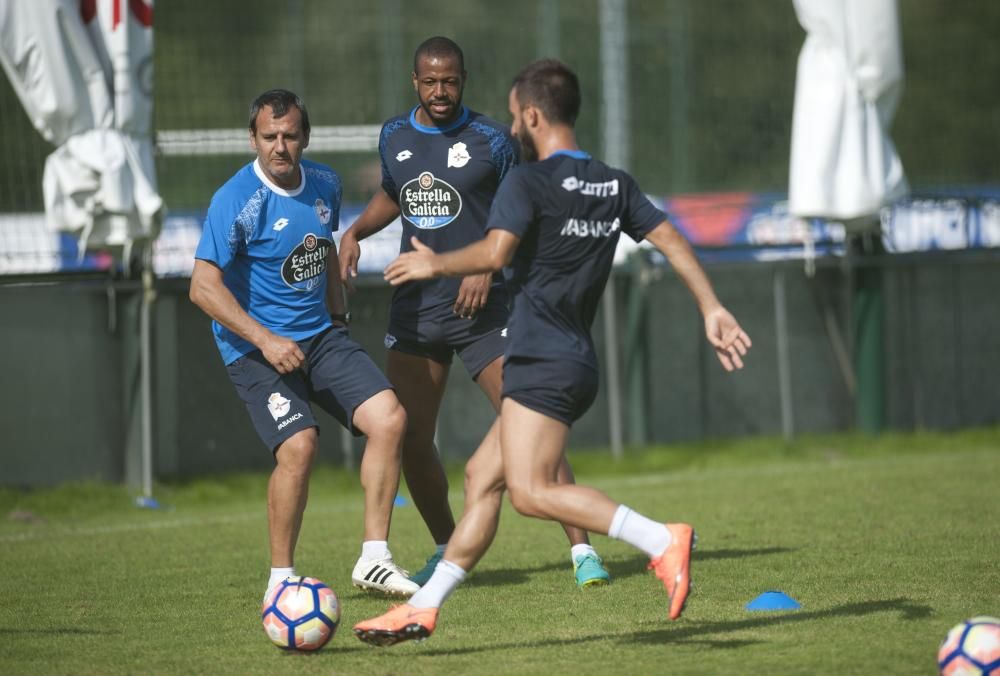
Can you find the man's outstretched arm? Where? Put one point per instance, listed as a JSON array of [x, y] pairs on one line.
[[730, 341], [380, 212], [487, 255]]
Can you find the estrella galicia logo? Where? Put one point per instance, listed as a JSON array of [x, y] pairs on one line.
[[304, 267], [428, 202]]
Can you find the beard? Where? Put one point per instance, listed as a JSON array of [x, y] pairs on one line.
[[529, 151], [455, 106]]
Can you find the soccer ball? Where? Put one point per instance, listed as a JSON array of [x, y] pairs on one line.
[[300, 613], [971, 648]]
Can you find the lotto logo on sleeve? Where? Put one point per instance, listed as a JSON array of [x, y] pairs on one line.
[[428, 202], [605, 189]]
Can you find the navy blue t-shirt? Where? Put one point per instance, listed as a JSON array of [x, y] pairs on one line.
[[568, 211], [444, 181]]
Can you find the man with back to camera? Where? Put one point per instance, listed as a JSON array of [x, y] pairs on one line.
[[262, 273], [555, 222], [441, 166]]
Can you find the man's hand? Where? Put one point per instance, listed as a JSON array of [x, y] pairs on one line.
[[348, 256], [472, 295], [282, 353], [413, 265], [730, 341]]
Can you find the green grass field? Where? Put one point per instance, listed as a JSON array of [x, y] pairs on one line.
[[886, 543]]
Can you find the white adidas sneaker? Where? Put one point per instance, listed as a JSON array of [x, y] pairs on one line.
[[383, 575]]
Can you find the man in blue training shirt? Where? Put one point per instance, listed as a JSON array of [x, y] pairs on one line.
[[441, 166], [555, 222], [262, 273]]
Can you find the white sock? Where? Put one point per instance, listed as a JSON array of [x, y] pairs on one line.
[[446, 577], [278, 575], [650, 536], [580, 550], [375, 550]]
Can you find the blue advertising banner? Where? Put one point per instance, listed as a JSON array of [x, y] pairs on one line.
[[722, 226]]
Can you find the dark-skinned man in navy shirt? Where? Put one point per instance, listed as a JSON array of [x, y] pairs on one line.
[[441, 166]]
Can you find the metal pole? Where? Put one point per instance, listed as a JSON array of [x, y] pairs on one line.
[[784, 365], [295, 39], [615, 114], [347, 448], [636, 351], [548, 29], [614, 82], [146, 371], [614, 377], [392, 78], [679, 47], [868, 307]]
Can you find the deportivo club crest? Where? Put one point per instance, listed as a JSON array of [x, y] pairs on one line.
[[278, 405], [429, 202], [304, 267], [322, 211], [458, 155]]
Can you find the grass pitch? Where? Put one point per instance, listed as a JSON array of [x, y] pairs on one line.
[[886, 543]]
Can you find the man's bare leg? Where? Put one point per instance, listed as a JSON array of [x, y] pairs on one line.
[[490, 380], [383, 419], [420, 384], [532, 444], [287, 494]]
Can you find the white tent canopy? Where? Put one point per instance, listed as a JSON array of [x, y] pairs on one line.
[[849, 80], [83, 72]]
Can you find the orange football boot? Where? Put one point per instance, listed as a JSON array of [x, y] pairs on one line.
[[673, 566], [401, 623]]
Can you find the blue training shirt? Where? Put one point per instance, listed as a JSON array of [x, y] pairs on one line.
[[272, 246], [568, 211], [444, 181]]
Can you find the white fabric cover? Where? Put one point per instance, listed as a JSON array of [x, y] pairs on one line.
[[849, 80], [85, 79]]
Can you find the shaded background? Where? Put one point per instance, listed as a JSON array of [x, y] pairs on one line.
[[711, 87]]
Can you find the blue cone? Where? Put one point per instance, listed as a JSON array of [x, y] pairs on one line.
[[400, 501], [774, 600], [147, 502]]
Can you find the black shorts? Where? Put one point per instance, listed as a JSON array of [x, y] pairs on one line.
[[438, 333], [338, 375], [562, 389]]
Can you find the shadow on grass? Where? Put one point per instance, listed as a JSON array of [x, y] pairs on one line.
[[716, 554], [47, 632], [908, 610], [507, 576], [697, 633], [637, 565], [617, 567]]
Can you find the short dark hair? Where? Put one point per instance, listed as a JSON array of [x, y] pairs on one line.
[[440, 47], [279, 101], [552, 87]]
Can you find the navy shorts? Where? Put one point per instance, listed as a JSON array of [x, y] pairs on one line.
[[562, 389], [438, 333], [338, 375]]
